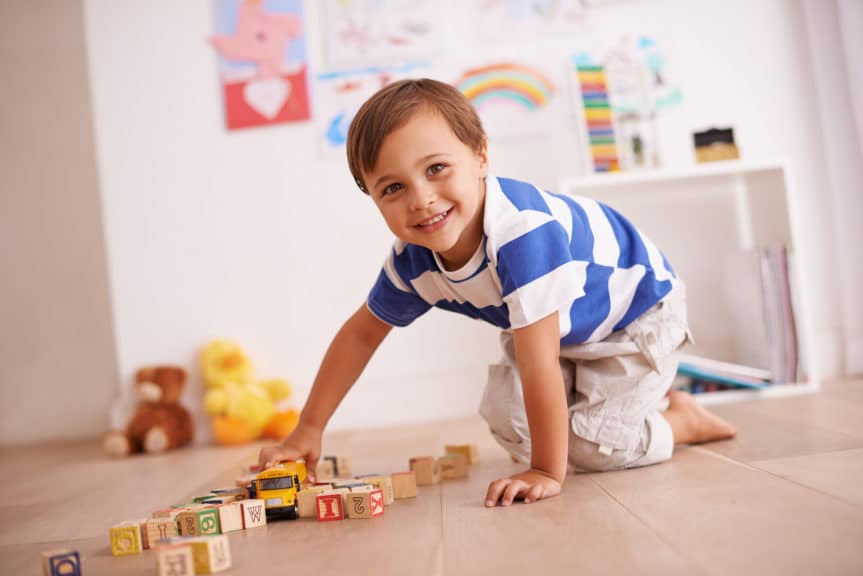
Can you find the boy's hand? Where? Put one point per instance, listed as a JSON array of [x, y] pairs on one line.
[[304, 442], [530, 486]]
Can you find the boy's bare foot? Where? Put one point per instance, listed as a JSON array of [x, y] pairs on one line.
[[691, 423]]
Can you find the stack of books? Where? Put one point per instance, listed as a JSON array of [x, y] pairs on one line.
[[708, 375], [779, 314]]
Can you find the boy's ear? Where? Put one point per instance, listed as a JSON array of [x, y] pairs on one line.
[[482, 155]]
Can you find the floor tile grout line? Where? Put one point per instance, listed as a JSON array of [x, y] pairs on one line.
[[755, 468], [653, 531]]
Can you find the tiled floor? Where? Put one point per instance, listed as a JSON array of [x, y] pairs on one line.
[[784, 497]]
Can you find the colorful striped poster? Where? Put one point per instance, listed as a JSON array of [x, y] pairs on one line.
[[598, 117]]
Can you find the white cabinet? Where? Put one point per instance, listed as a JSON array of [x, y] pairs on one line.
[[711, 222]]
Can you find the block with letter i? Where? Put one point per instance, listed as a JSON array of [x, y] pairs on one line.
[[174, 560], [254, 514], [158, 529], [126, 539], [330, 506], [63, 562]]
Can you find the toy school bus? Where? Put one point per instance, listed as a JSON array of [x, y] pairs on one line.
[[278, 487]]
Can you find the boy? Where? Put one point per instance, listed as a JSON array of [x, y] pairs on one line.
[[591, 311]]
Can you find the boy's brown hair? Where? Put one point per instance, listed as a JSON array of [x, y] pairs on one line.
[[393, 105]]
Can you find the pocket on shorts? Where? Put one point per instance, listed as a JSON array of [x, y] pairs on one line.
[[496, 405], [660, 331]]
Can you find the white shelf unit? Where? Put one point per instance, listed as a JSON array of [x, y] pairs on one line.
[[710, 220]]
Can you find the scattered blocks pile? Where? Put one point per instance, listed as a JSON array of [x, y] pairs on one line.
[[190, 538]]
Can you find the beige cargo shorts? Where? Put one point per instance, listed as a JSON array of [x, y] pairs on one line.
[[615, 390]]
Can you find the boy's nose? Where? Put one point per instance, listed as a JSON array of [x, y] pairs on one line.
[[423, 196]]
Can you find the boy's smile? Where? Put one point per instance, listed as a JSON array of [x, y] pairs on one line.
[[430, 188]]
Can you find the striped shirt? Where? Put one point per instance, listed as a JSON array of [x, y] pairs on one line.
[[540, 253]]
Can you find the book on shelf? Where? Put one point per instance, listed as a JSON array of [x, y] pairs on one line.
[[703, 369], [779, 314]]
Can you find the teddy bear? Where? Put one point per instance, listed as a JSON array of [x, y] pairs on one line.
[[160, 422], [243, 408]]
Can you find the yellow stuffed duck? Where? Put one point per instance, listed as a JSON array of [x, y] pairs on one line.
[[243, 409]]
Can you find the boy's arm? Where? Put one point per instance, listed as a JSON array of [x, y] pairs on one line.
[[346, 357], [537, 348]]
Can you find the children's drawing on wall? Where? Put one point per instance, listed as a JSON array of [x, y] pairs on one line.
[[505, 20], [361, 32], [339, 94], [639, 87], [513, 98], [262, 61]]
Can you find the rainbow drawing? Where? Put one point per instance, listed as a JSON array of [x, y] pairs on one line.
[[506, 83]]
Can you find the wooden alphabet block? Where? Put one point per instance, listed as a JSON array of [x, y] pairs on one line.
[[330, 506], [254, 514], [187, 523], [357, 505], [376, 502], [341, 466], [175, 560], [208, 521], [145, 536], [126, 539], [200, 521], [427, 470], [158, 529], [384, 484], [211, 554], [307, 505], [62, 562], [404, 485], [453, 466], [470, 451], [230, 517], [365, 504]]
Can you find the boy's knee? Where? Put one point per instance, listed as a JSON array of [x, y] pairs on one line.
[[585, 456]]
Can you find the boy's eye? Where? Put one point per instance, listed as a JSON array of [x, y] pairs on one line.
[[435, 168], [391, 189]]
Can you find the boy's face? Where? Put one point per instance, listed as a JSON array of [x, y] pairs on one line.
[[430, 188]]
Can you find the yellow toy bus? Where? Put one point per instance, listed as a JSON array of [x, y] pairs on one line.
[[278, 487]]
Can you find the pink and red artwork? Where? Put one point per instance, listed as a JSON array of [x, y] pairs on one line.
[[262, 61]]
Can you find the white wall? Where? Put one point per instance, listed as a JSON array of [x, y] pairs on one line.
[[57, 364], [834, 31], [250, 235]]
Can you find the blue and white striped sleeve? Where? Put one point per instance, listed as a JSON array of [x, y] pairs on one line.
[[393, 301]]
